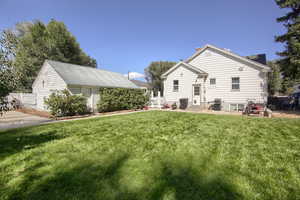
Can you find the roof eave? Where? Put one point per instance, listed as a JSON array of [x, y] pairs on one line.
[[228, 53]]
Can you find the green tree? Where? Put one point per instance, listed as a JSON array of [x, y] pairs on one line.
[[8, 76], [274, 78], [35, 42], [154, 71], [290, 62]]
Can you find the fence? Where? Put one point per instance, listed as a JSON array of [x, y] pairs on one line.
[[27, 100], [156, 101]]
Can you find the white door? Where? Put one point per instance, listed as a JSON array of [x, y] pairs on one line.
[[196, 94]]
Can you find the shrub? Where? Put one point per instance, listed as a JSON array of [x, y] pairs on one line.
[[64, 104], [113, 99], [174, 106]]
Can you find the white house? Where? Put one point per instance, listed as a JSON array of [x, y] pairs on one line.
[[215, 73], [55, 76]]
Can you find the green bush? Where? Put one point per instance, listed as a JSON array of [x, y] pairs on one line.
[[63, 103], [113, 99]]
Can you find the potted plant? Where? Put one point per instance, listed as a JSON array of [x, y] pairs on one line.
[[174, 106]]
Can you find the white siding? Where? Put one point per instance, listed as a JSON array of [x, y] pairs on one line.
[[252, 80], [186, 79], [91, 93], [52, 82]]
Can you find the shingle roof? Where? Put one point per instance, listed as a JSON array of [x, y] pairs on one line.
[[87, 76]]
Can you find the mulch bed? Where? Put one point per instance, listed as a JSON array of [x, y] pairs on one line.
[[95, 114], [35, 112], [48, 115]]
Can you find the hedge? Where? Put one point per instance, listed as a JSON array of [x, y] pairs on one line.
[[113, 99], [63, 103]]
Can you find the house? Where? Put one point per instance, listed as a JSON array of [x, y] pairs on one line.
[[215, 73], [142, 85], [55, 76]]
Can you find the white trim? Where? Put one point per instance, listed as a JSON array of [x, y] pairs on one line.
[[38, 75], [43, 66], [264, 67], [194, 96], [186, 65]]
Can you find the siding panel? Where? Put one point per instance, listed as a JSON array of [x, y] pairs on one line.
[[253, 82], [47, 82]]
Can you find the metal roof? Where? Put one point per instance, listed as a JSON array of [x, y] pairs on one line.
[[141, 83], [87, 76]]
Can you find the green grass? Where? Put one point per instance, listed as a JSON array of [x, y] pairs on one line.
[[153, 155]]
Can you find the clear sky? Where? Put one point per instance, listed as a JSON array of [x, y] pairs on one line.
[[128, 34]]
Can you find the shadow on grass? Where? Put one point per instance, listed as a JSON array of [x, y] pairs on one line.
[[12, 142], [184, 183], [94, 181]]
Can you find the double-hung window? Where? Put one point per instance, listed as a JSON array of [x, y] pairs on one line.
[[212, 81], [175, 85], [235, 83]]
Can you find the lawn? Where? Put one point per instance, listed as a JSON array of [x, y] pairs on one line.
[[153, 155]]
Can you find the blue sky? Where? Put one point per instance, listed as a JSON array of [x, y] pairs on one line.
[[126, 35]]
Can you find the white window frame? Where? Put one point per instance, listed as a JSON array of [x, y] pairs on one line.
[[196, 86], [236, 107], [175, 86], [232, 83]]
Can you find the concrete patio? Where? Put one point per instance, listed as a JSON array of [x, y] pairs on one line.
[[15, 119]]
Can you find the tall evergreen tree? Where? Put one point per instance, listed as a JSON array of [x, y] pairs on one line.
[[290, 62], [274, 79], [154, 71]]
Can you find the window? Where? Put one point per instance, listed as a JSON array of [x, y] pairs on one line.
[[241, 107], [87, 92], [175, 85], [233, 107], [212, 81], [75, 90], [196, 90], [235, 83], [237, 107], [43, 84]]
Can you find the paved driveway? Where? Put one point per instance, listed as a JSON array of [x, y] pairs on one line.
[[14, 119]]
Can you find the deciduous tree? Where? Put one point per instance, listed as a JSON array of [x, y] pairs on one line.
[[31, 44], [154, 71], [8, 76]]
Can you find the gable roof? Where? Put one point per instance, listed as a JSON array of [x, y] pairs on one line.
[[229, 53], [87, 76], [141, 83], [186, 65]]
